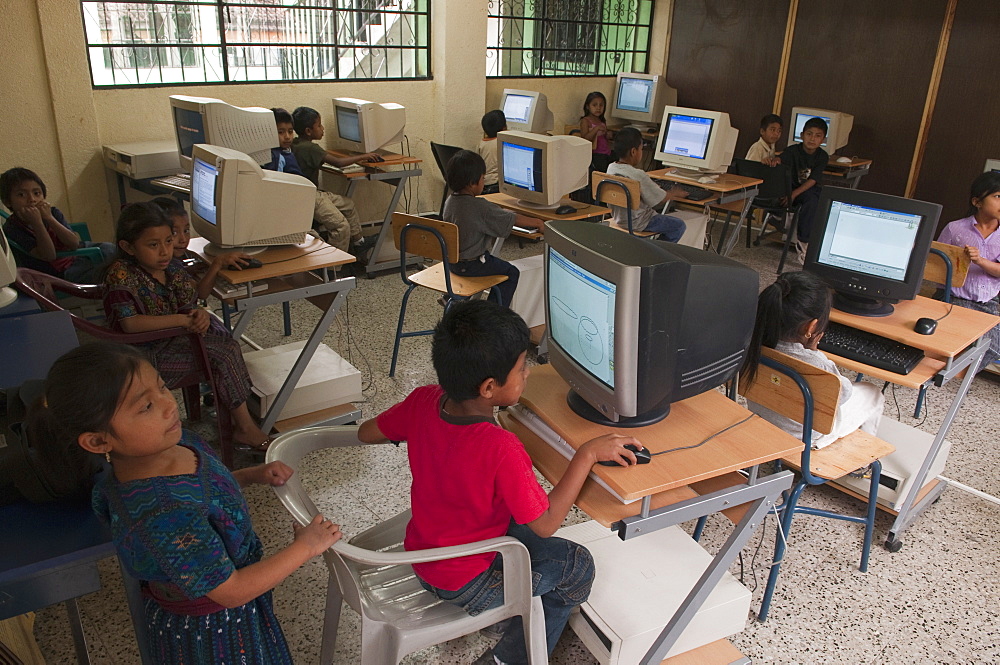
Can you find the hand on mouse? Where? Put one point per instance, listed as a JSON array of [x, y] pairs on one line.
[[611, 448], [232, 260]]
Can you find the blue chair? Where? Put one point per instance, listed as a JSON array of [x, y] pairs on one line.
[[810, 395]]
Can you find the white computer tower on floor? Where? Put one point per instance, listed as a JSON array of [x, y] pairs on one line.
[[899, 468], [639, 585]]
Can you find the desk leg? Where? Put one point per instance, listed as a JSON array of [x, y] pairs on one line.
[[76, 627], [763, 495], [969, 360], [137, 609], [385, 233]]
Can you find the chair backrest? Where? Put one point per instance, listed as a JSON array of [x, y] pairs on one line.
[[442, 154], [777, 179], [778, 392], [421, 239], [572, 130], [615, 190], [936, 269]]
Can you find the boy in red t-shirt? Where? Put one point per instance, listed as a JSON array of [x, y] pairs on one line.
[[472, 480]]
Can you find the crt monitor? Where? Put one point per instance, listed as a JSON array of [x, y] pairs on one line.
[[368, 126], [695, 142], [641, 98], [212, 121], [526, 111], [539, 170], [8, 272], [870, 248], [992, 165], [236, 203], [636, 324], [838, 125]]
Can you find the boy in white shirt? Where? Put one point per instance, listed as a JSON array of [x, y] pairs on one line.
[[493, 122], [762, 151]]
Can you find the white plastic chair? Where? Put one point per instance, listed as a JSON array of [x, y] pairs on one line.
[[372, 573]]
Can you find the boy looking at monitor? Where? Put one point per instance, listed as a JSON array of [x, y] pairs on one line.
[[335, 214], [770, 132], [493, 122], [807, 161], [628, 147], [472, 480], [479, 224]]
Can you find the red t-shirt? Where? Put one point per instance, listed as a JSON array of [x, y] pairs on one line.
[[470, 477]]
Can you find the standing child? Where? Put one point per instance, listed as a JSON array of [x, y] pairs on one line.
[[792, 315], [472, 480], [41, 230], [177, 516], [807, 161], [628, 147], [770, 133], [978, 234], [182, 236], [479, 224], [147, 290], [336, 213], [594, 128], [493, 123]]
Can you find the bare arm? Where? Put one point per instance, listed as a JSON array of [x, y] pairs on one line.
[[341, 162], [370, 433], [232, 260], [68, 238], [808, 184], [530, 223], [588, 130], [991, 268], [147, 322]]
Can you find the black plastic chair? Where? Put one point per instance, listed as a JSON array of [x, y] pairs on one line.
[[442, 154], [777, 187]]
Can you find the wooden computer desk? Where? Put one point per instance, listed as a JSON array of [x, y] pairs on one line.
[[673, 488], [729, 188], [382, 256], [846, 173], [583, 211], [295, 272], [959, 342]]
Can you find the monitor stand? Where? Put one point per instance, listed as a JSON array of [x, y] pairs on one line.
[[211, 249], [7, 296], [538, 206], [581, 408], [861, 306], [690, 173]]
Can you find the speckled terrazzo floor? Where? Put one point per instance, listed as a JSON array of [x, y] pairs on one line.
[[935, 601]]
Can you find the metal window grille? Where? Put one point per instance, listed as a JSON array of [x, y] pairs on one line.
[[568, 37], [234, 41]]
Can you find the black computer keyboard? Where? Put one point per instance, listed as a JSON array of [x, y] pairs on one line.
[[694, 193], [870, 349]]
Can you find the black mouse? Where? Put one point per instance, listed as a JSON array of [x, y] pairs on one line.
[[254, 263], [925, 326], [565, 210], [641, 456]]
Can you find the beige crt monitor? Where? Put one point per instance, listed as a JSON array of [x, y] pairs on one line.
[[367, 126], [539, 170], [526, 111], [8, 272], [236, 203], [695, 142], [641, 98], [838, 123], [992, 165], [204, 120]]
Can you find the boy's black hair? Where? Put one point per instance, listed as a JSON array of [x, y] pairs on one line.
[[627, 139], [281, 116], [494, 121], [11, 178], [464, 168], [476, 340], [771, 119], [303, 118], [816, 123], [985, 184], [795, 298], [170, 206]]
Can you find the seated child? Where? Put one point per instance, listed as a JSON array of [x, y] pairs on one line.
[[807, 161], [148, 290], [792, 315], [472, 480], [41, 230], [336, 214], [178, 216], [770, 133], [479, 224], [176, 514], [978, 234], [628, 147], [493, 122]]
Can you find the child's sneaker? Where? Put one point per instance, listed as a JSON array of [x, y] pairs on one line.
[[801, 248]]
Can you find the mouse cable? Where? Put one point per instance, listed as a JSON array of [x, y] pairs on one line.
[[704, 441], [946, 313]]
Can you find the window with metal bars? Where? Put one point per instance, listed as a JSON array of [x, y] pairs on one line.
[[567, 37], [239, 41]]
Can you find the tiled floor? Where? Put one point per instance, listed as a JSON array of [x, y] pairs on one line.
[[935, 601]]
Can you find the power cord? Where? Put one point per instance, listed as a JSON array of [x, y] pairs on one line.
[[705, 440]]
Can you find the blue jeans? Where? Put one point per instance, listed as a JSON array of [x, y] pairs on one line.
[[503, 292], [670, 228], [562, 573], [83, 270], [808, 204]]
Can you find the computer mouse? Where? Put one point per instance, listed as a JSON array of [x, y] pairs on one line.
[[641, 456], [254, 263], [377, 158], [565, 210], [843, 160], [707, 180], [925, 326]]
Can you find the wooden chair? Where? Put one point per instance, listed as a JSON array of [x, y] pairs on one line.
[[43, 288], [442, 154], [797, 390], [618, 191], [435, 240]]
